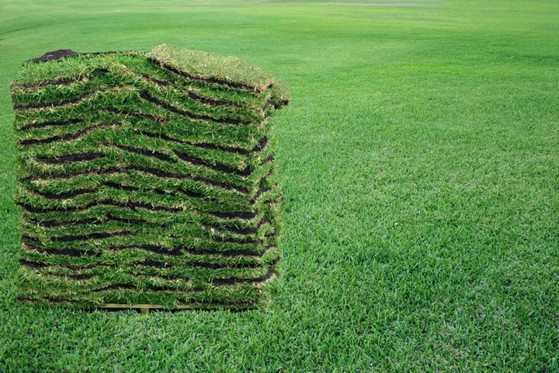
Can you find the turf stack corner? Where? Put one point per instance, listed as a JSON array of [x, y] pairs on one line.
[[147, 179]]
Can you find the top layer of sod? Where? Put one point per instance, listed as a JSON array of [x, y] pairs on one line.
[[204, 66], [197, 65]]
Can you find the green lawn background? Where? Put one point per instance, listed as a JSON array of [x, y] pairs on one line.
[[419, 159]]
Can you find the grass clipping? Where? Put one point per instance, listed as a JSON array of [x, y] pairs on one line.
[[147, 179]]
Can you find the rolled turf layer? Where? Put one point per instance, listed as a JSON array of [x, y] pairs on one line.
[[147, 179]]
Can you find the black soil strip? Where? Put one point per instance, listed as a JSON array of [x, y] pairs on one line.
[[261, 190], [213, 305], [90, 236], [221, 184], [68, 136], [31, 244], [257, 196], [237, 280], [49, 83], [67, 251], [61, 123], [230, 149], [146, 96], [115, 287], [225, 253], [279, 104], [247, 171], [65, 195], [258, 147], [217, 166], [52, 104], [156, 172], [223, 266], [66, 158], [147, 153], [79, 276], [150, 78], [62, 81], [210, 101], [30, 241], [66, 266], [150, 117], [159, 82], [152, 171], [238, 230], [156, 264], [259, 193], [147, 263], [235, 215], [136, 221], [47, 298], [51, 298], [174, 288], [242, 241], [32, 264], [148, 247], [261, 144], [132, 205], [128, 188], [63, 223], [153, 263], [188, 193], [211, 80], [179, 251], [104, 53], [267, 104], [192, 95], [76, 276], [113, 185], [268, 159], [92, 221]]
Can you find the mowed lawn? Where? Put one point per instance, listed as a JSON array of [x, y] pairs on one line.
[[419, 159]]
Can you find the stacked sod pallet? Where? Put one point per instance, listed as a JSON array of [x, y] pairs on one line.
[[147, 179]]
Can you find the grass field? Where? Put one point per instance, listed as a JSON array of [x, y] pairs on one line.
[[419, 159]]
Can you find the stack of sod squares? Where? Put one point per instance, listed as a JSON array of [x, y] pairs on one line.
[[147, 179]]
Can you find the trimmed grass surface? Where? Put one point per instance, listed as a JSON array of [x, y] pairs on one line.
[[419, 160]]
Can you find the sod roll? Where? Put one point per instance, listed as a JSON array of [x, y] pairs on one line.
[[147, 179]]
